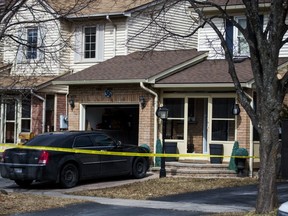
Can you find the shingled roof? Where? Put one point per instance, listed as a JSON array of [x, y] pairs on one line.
[[161, 68], [136, 66], [95, 7]]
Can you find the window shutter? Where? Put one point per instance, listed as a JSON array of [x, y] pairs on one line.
[[229, 36], [78, 44], [42, 31], [100, 43], [21, 47]]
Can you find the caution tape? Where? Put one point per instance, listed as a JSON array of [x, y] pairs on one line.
[[104, 152]]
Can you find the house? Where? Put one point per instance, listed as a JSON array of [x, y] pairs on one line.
[[193, 84], [48, 48]]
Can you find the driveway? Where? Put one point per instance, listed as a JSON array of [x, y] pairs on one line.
[[237, 199]]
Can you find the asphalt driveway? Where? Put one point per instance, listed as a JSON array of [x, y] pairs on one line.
[[237, 199]]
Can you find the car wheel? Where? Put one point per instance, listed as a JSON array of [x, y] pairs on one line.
[[69, 176], [23, 183], [139, 168]]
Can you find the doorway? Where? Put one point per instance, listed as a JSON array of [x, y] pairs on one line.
[[119, 121], [9, 124]]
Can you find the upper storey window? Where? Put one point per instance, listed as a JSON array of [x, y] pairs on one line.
[[89, 43], [236, 42], [31, 46], [32, 40]]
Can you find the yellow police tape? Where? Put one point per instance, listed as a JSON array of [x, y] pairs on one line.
[[104, 152]]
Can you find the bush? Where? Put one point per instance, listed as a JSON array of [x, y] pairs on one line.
[[241, 152]]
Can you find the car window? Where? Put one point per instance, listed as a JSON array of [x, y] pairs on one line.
[[47, 140], [103, 140], [83, 141]]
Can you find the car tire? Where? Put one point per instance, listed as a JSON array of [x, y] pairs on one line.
[[139, 168], [23, 183], [69, 176]]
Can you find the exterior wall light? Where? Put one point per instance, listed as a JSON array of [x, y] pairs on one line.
[[236, 109], [142, 102], [72, 102], [162, 113]]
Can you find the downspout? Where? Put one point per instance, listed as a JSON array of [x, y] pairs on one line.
[[114, 33], [43, 111], [155, 109]]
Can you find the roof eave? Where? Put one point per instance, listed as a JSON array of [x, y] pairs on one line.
[[99, 15], [178, 67], [98, 82], [235, 7], [201, 85]]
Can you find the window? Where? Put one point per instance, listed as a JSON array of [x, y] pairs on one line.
[[236, 42], [242, 47], [32, 41], [223, 121], [175, 122], [89, 43], [82, 142], [32, 44], [26, 115], [103, 140]]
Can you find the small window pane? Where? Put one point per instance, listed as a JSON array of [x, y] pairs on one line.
[[222, 107], [26, 108], [223, 130], [175, 107], [25, 125], [175, 129]]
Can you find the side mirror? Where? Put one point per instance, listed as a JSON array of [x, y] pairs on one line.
[[118, 143]]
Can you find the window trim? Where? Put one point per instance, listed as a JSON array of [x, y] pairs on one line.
[[236, 36], [79, 54], [21, 54]]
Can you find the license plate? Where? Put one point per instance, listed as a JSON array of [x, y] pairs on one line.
[[17, 170]]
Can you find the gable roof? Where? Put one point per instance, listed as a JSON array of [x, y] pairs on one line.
[[178, 68], [133, 68]]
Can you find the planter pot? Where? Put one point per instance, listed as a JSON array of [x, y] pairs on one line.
[[240, 164]]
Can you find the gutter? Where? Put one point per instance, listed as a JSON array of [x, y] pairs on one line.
[[114, 33], [43, 109], [155, 109]]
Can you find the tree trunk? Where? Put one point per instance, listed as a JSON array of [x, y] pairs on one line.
[[267, 198]]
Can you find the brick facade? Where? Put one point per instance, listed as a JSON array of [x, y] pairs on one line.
[[37, 115], [121, 94], [61, 107]]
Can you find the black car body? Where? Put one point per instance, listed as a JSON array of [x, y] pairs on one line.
[[68, 168]]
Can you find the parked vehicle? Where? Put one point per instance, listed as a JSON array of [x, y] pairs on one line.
[[283, 210], [68, 168]]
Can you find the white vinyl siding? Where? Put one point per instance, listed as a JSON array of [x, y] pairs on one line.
[[81, 41], [284, 50], [209, 41], [47, 61], [114, 37], [177, 20]]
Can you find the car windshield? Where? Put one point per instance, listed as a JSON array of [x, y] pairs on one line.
[[47, 140]]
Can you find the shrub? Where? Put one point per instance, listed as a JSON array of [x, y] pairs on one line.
[[241, 152]]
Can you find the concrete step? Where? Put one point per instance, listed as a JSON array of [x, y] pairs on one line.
[[196, 170], [196, 166]]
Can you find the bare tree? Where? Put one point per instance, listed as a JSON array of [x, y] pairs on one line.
[[47, 17], [264, 45]]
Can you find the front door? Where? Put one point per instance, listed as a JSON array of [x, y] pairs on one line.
[[9, 123]]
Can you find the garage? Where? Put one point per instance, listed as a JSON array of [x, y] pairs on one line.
[[120, 121]]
